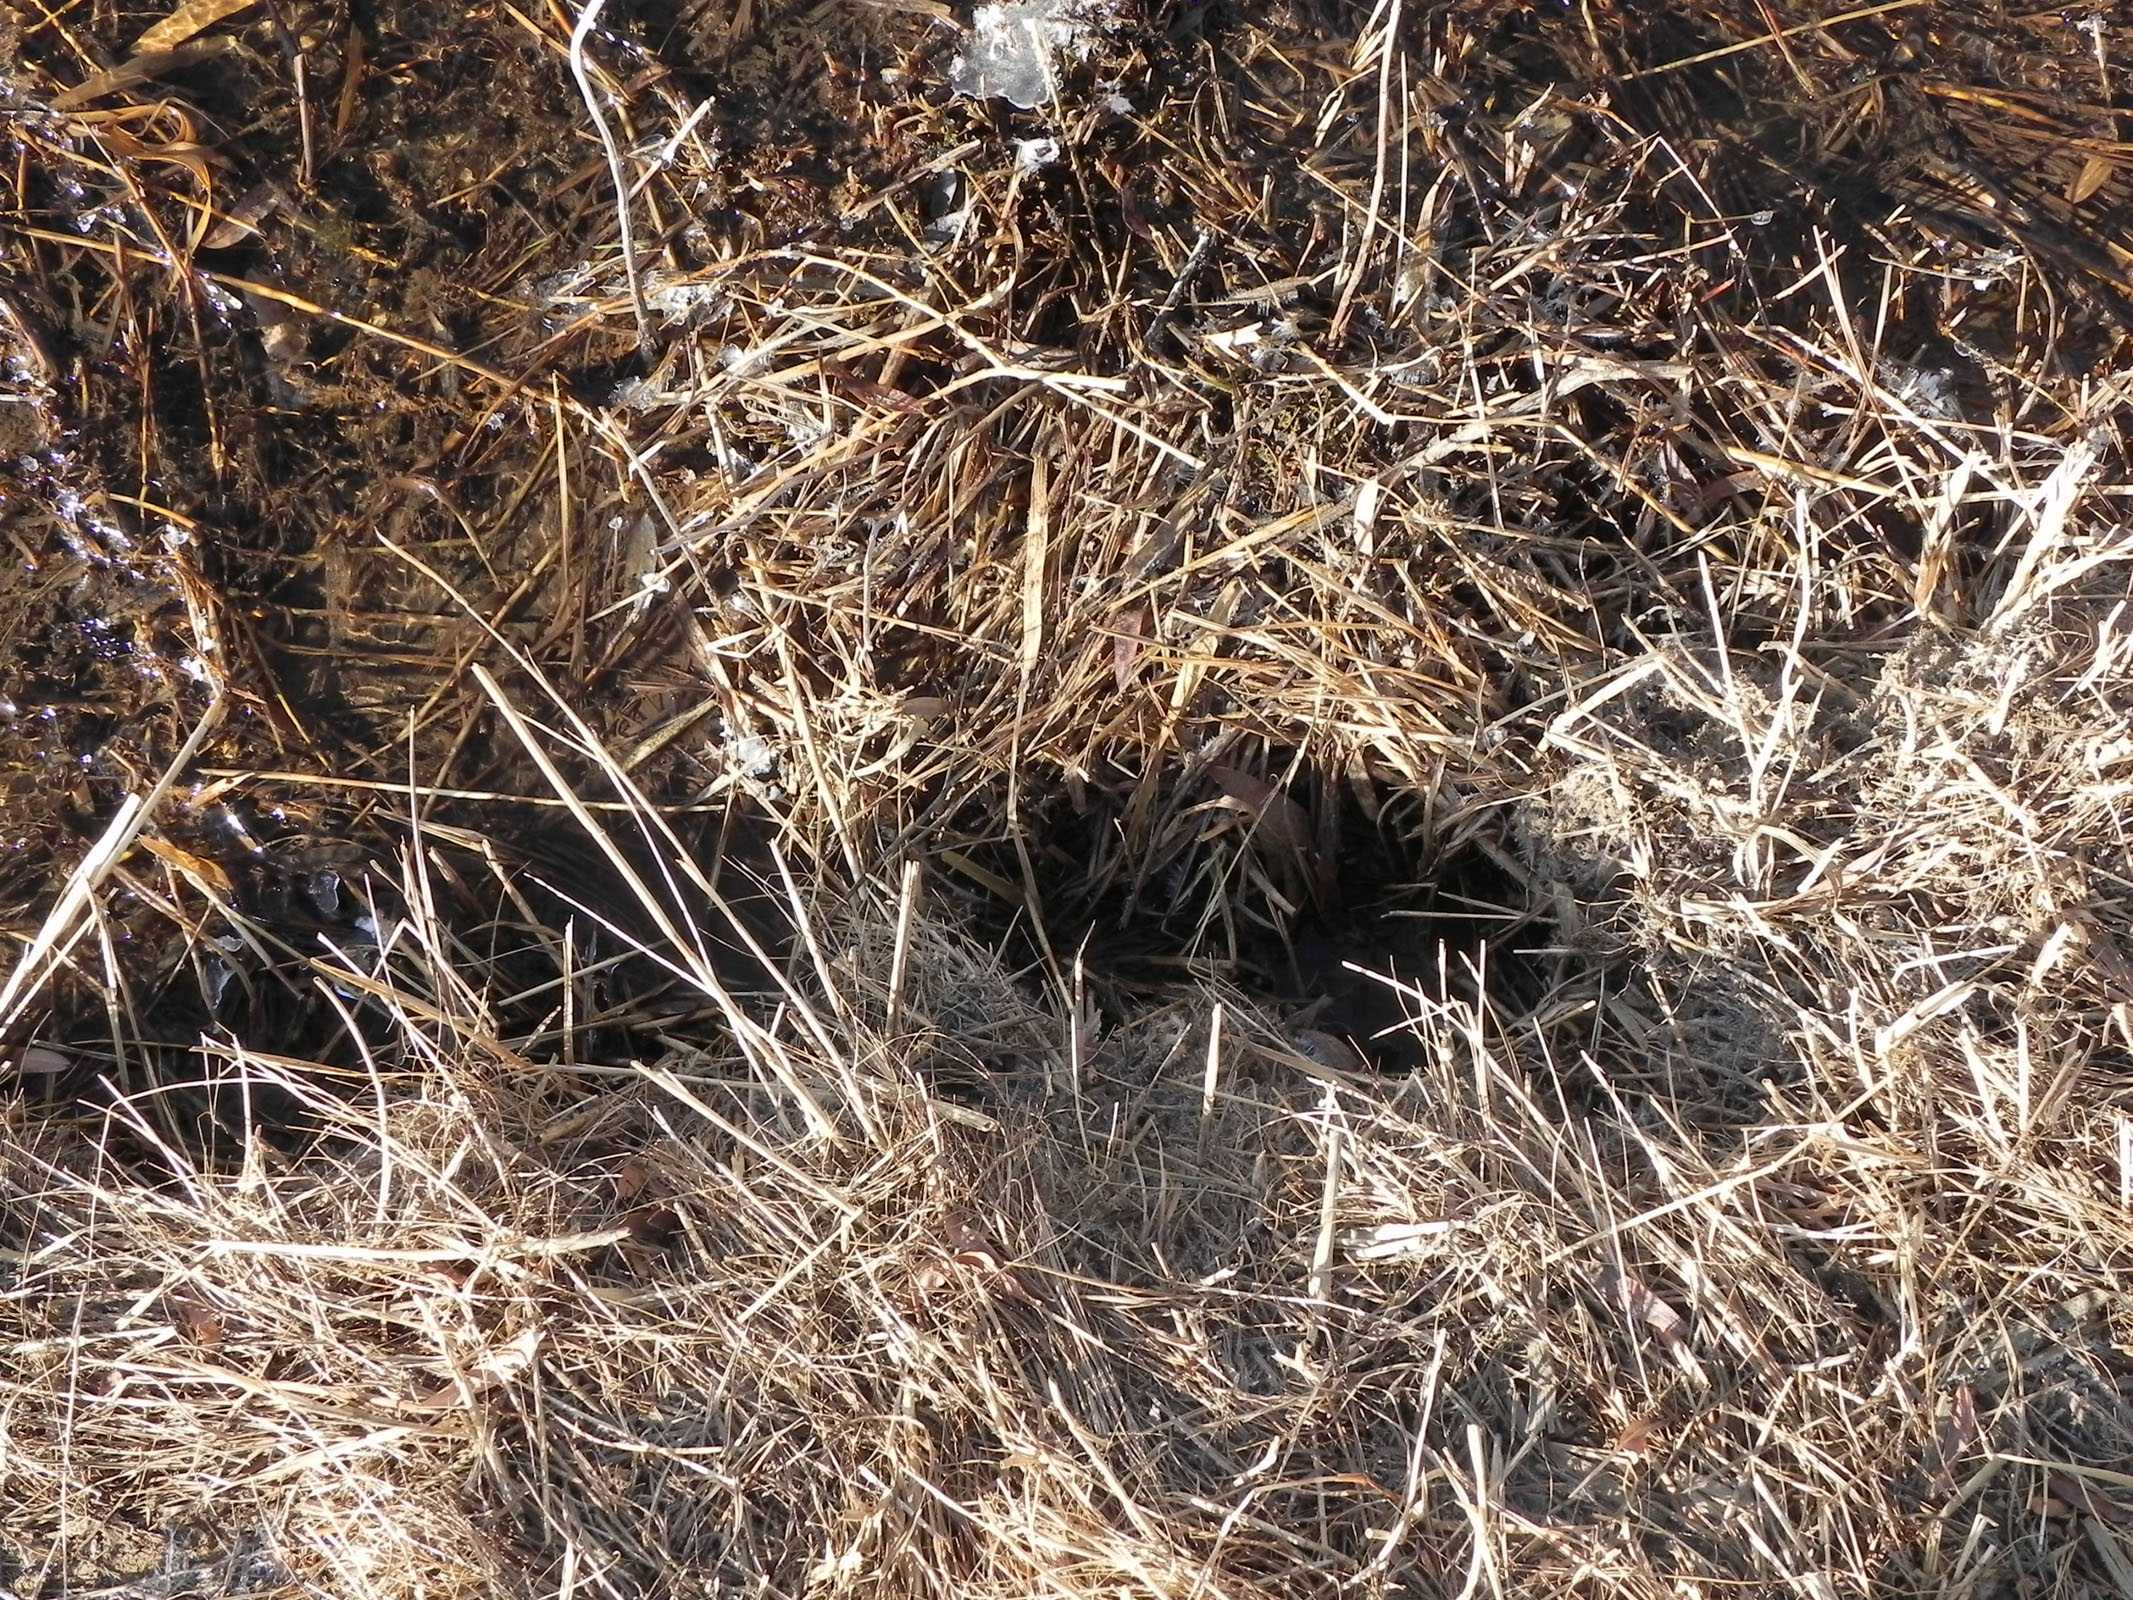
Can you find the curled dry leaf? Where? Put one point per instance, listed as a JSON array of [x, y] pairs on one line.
[[990, 1267], [1640, 1304], [1956, 1436], [1633, 1438], [967, 1248], [182, 150], [201, 872]]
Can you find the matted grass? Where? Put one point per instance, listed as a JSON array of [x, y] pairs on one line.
[[1348, 817]]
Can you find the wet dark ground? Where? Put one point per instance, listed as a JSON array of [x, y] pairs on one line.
[[209, 473], [289, 328]]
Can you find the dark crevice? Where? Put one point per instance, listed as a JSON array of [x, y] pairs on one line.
[[1346, 915]]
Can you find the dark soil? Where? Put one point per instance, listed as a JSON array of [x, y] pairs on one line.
[[303, 451], [193, 459]]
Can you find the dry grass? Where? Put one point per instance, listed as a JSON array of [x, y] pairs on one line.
[[786, 1083]]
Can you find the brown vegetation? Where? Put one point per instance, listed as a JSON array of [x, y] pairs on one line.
[[1345, 815]]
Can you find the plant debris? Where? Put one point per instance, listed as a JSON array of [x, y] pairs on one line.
[[1119, 799]]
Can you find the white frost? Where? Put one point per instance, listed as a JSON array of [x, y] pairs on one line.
[[1012, 46], [1034, 155]]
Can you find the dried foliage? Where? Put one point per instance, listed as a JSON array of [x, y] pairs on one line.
[[1346, 814], [1174, 1311]]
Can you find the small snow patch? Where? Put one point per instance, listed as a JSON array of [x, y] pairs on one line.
[[1012, 48]]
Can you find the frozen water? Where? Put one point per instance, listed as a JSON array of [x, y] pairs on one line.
[[1012, 47]]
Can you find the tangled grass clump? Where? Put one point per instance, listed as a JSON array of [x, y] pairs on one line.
[[1345, 817]]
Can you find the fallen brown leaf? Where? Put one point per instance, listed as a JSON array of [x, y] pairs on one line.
[[1958, 1432], [203, 873], [2094, 174], [1633, 1438], [1640, 1304], [2080, 1498], [1281, 823]]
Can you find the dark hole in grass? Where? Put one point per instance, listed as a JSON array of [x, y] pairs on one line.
[[1346, 912]]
